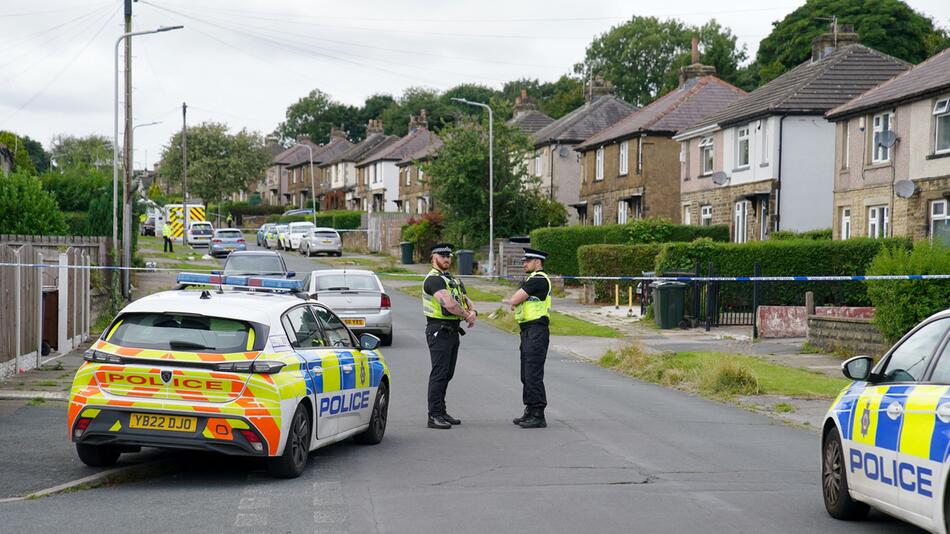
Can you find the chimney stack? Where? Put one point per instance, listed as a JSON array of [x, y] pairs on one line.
[[598, 87], [695, 69], [418, 121], [337, 133], [695, 50], [523, 104], [304, 139], [374, 126], [838, 36]]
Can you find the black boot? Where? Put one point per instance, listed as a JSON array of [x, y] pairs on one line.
[[438, 421], [452, 421], [535, 419], [518, 420]]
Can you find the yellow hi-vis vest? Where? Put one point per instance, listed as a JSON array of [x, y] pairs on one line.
[[431, 307], [167, 230], [534, 308]]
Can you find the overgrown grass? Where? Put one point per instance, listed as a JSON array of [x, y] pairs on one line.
[[721, 375], [561, 324], [839, 351]]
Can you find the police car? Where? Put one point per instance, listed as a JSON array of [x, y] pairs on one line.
[[886, 439], [257, 373]]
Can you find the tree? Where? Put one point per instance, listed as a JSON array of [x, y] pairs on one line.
[[75, 187], [396, 117], [555, 99], [219, 163], [25, 208], [314, 115], [890, 26], [718, 47], [459, 182], [373, 108], [21, 157], [89, 152], [38, 155]]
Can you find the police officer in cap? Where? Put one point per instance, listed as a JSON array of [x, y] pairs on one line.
[[445, 306], [532, 305]]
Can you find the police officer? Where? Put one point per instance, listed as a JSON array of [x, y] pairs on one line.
[[532, 304], [445, 306], [167, 236], [230, 221]]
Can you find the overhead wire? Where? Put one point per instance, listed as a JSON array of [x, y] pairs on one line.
[[50, 11], [70, 32]]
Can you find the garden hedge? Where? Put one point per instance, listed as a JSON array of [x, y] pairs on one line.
[[785, 235], [339, 219], [616, 260], [785, 258]]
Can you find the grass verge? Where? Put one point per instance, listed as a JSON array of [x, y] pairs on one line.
[[721, 375], [474, 293], [839, 351], [561, 324]]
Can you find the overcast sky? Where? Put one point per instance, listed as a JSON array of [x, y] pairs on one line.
[[244, 61]]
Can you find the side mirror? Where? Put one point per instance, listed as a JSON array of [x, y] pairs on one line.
[[368, 342], [857, 368], [291, 274]]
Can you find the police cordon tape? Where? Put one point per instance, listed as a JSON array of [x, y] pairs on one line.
[[831, 278]]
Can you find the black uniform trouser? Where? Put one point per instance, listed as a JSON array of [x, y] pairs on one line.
[[168, 245], [443, 341], [534, 350]]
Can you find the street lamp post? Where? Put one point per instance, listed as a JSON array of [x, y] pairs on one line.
[[115, 138], [491, 184], [313, 188]]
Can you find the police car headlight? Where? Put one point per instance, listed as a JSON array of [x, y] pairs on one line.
[[100, 357]]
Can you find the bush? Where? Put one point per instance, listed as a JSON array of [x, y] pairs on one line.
[[339, 219], [729, 378], [815, 235], [901, 304], [75, 188], [562, 243], [616, 260], [783, 258], [423, 233], [25, 208]]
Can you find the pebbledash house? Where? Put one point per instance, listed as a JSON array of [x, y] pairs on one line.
[[766, 162]]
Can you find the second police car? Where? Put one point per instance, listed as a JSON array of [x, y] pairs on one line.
[[886, 438], [241, 372]]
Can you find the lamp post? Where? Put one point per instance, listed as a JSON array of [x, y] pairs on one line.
[[313, 188], [491, 184], [115, 138]]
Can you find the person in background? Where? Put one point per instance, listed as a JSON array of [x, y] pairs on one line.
[[167, 238]]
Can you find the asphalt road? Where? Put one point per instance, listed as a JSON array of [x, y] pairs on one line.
[[618, 456]]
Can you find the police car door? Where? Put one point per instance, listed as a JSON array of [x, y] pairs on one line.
[[308, 340], [925, 433], [356, 397]]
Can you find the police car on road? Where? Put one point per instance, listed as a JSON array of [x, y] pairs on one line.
[[886, 438], [259, 373]]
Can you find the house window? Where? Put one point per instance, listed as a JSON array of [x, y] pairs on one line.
[[763, 219], [845, 223], [687, 215], [940, 221], [706, 156], [742, 147], [420, 205], [421, 175], [742, 219], [640, 155], [599, 170], [407, 171], [598, 214], [883, 123], [623, 209], [846, 145], [764, 129], [537, 165], [942, 126], [705, 215], [624, 157], [878, 221]]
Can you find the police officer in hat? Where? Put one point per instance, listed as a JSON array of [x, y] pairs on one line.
[[445, 306], [532, 305]]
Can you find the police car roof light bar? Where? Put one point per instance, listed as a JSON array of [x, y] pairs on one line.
[[253, 282]]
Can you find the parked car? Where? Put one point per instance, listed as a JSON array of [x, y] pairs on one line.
[[257, 263], [290, 240], [272, 238], [358, 297], [148, 227], [317, 240], [302, 211], [199, 233], [226, 241], [262, 232]]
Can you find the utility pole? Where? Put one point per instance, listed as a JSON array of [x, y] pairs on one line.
[[184, 172], [127, 158]]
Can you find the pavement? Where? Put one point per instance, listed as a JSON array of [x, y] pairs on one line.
[[618, 455]]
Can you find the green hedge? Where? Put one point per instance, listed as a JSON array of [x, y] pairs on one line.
[[784, 258], [616, 260], [562, 243], [339, 219], [785, 235], [901, 304]]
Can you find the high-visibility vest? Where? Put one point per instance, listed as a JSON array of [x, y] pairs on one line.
[[534, 308], [166, 230], [431, 307]]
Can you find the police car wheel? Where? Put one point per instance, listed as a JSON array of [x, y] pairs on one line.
[[293, 461], [377, 423], [97, 455], [834, 481]]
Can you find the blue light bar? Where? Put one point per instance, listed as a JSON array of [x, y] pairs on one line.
[[254, 282]]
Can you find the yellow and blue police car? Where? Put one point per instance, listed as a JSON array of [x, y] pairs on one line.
[[886, 438], [261, 370]]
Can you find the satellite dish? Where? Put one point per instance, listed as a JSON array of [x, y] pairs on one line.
[[888, 139], [563, 151], [905, 189], [719, 178]]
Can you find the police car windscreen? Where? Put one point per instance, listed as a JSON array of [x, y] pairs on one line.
[[182, 333], [261, 264], [345, 282]]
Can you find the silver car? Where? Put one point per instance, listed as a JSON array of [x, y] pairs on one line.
[[357, 297], [319, 240]]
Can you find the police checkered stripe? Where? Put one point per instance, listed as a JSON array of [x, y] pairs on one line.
[[442, 250]]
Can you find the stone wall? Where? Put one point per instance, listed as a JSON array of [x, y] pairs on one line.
[[857, 336], [723, 201], [792, 321]]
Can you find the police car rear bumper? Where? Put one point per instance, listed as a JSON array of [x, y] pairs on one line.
[[112, 427]]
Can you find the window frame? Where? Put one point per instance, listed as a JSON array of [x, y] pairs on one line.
[[740, 139], [880, 222], [877, 128], [537, 165], [764, 126], [939, 114], [846, 145], [599, 164], [707, 143], [845, 232], [687, 213], [741, 211], [292, 339], [881, 368], [705, 215], [933, 218], [597, 214], [623, 163], [623, 212]]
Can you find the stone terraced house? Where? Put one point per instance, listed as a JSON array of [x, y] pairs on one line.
[[414, 197]]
